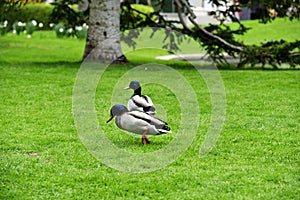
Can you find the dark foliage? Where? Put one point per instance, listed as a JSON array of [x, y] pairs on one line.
[[274, 53], [8, 10], [64, 12]]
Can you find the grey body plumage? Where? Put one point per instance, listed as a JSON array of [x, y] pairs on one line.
[[138, 122]]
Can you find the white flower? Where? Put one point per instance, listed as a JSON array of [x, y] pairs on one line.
[[84, 24], [41, 25], [14, 31], [20, 24], [78, 28], [28, 36], [61, 30], [70, 30], [34, 22], [51, 25], [5, 23]]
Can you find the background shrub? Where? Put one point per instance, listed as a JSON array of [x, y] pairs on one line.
[[3, 27], [39, 12], [143, 8], [31, 1], [18, 27], [30, 27], [81, 31], [60, 30], [132, 19]]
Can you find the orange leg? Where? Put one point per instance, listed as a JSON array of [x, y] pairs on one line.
[[144, 138]]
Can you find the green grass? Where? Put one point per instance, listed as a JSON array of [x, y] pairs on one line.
[[278, 29], [43, 47], [42, 157]]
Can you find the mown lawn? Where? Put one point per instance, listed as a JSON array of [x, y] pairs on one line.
[[278, 29], [42, 156]]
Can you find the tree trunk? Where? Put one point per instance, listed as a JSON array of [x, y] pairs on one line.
[[103, 39]]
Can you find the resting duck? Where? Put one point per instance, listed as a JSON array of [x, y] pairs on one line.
[[138, 101], [138, 122]]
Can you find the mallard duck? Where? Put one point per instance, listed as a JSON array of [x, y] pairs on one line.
[[138, 122], [138, 101]]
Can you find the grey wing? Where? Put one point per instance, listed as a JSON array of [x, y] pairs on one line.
[[149, 100], [142, 101], [134, 106], [133, 124], [158, 123]]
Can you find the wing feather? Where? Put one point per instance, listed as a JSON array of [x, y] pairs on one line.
[[158, 123], [142, 101]]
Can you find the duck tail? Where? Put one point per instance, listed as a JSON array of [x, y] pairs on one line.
[[150, 110], [165, 129]]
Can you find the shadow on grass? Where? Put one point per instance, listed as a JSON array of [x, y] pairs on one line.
[[182, 65], [135, 144], [258, 68], [186, 64]]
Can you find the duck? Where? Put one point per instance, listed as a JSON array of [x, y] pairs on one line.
[[139, 102], [138, 122]]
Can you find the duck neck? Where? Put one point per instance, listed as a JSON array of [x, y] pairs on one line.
[[138, 91]]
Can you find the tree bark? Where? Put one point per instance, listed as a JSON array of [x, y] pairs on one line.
[[103, 39]]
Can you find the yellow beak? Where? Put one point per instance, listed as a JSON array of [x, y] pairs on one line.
[[109, 119]]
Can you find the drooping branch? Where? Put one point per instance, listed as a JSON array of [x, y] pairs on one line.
[[296, 54], [192, 16], [180, 15], [149, 21], [275, 54], [213, 36]]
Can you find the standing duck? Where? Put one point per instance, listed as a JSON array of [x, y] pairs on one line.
[[138, 101], [138, 122]]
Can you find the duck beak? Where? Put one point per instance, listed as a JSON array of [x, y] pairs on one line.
[[126, 88], [109, 119]]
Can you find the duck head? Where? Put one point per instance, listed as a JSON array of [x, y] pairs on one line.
[[135, 85], [116, 110]]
